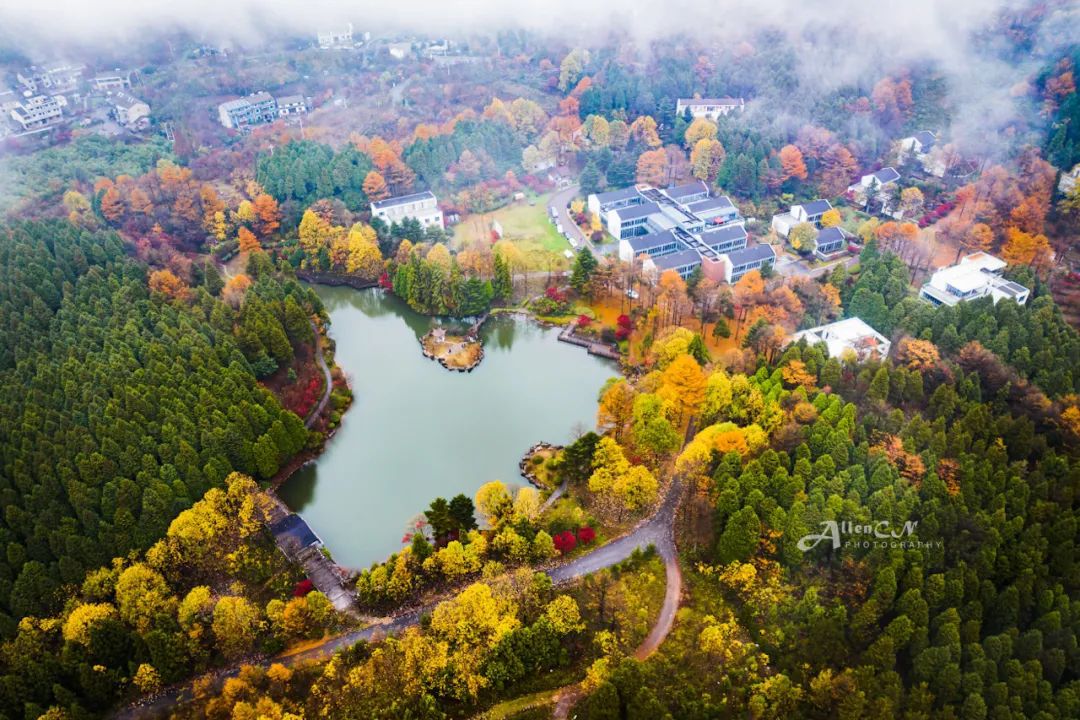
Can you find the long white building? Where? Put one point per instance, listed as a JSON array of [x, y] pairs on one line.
[[422, 206], [975, 276]]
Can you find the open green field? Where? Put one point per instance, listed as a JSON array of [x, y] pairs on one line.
[[527, 226]]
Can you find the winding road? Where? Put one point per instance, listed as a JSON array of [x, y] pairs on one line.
[[656, 530]]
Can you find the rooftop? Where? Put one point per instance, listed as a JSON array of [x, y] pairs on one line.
[[832, 234], [816, 207], [676, 260], [723, 234], [887, 175], [637, 211], [677, 192], [842, 335], [403, 200], [926, 139], [714, 203], [291, 100], [643, 243], [751, 253], [617, 195]]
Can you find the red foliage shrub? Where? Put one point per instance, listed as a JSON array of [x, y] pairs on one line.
[[553, 293], [565, 541], [622, 333], [586, 535], [303, 587], [385, 283], [623, 321], [583, 321]]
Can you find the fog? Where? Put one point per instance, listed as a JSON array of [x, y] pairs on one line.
[[836, 41]]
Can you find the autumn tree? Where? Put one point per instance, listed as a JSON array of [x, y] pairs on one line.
[[706, 158], [267, 214], [652, 167], [375, 187], [247, 240], [166, 283], [700, 129], [792, 163], [1023, 248], [830, 218]]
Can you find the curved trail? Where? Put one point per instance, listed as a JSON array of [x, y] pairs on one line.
[[329, 380], [656, 530]]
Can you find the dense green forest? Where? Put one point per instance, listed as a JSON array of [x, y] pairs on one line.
[[52, 171], [122, 406], [301, 172]]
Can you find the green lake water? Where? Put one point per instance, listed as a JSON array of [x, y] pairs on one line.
[[416, 431]]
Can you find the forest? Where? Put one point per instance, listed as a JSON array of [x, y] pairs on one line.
[[128, 395]]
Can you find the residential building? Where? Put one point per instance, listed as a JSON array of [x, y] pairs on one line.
[[683, 262], [831, 241], [255, 109], [128, 110], [884, 176], [423, 206], [725, 239], [336, 38], [924, 147], [600, 203], [710, 108], [58, 77], [292, 105], [735, 264], [975, 276], [115, 80], [810, 212], [848, 338], [38, 111], [921, 143], [632, 220]]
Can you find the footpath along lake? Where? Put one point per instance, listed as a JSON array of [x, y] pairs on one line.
[[416, 431]]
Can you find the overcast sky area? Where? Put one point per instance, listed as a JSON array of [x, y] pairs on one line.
[[838, 41]]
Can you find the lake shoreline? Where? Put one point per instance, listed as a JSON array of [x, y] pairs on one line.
[[368, 475]]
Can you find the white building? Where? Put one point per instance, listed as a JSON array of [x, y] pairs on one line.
[[38, 111], [115, 80], [846, 338], [710, 108], [336, 38], [58, 77], [292, 105], [810, 212], [255, 109], [423, 206], [923, 146], [399, 51], [975, 276], [128, 110]]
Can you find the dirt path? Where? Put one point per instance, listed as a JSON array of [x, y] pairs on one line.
[[328, 380]]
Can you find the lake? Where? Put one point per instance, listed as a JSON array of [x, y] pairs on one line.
[[416, 431]]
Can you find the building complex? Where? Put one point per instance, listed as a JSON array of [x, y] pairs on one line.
[[680, 228]]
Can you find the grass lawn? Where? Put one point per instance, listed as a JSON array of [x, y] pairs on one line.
[[527, 226]]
